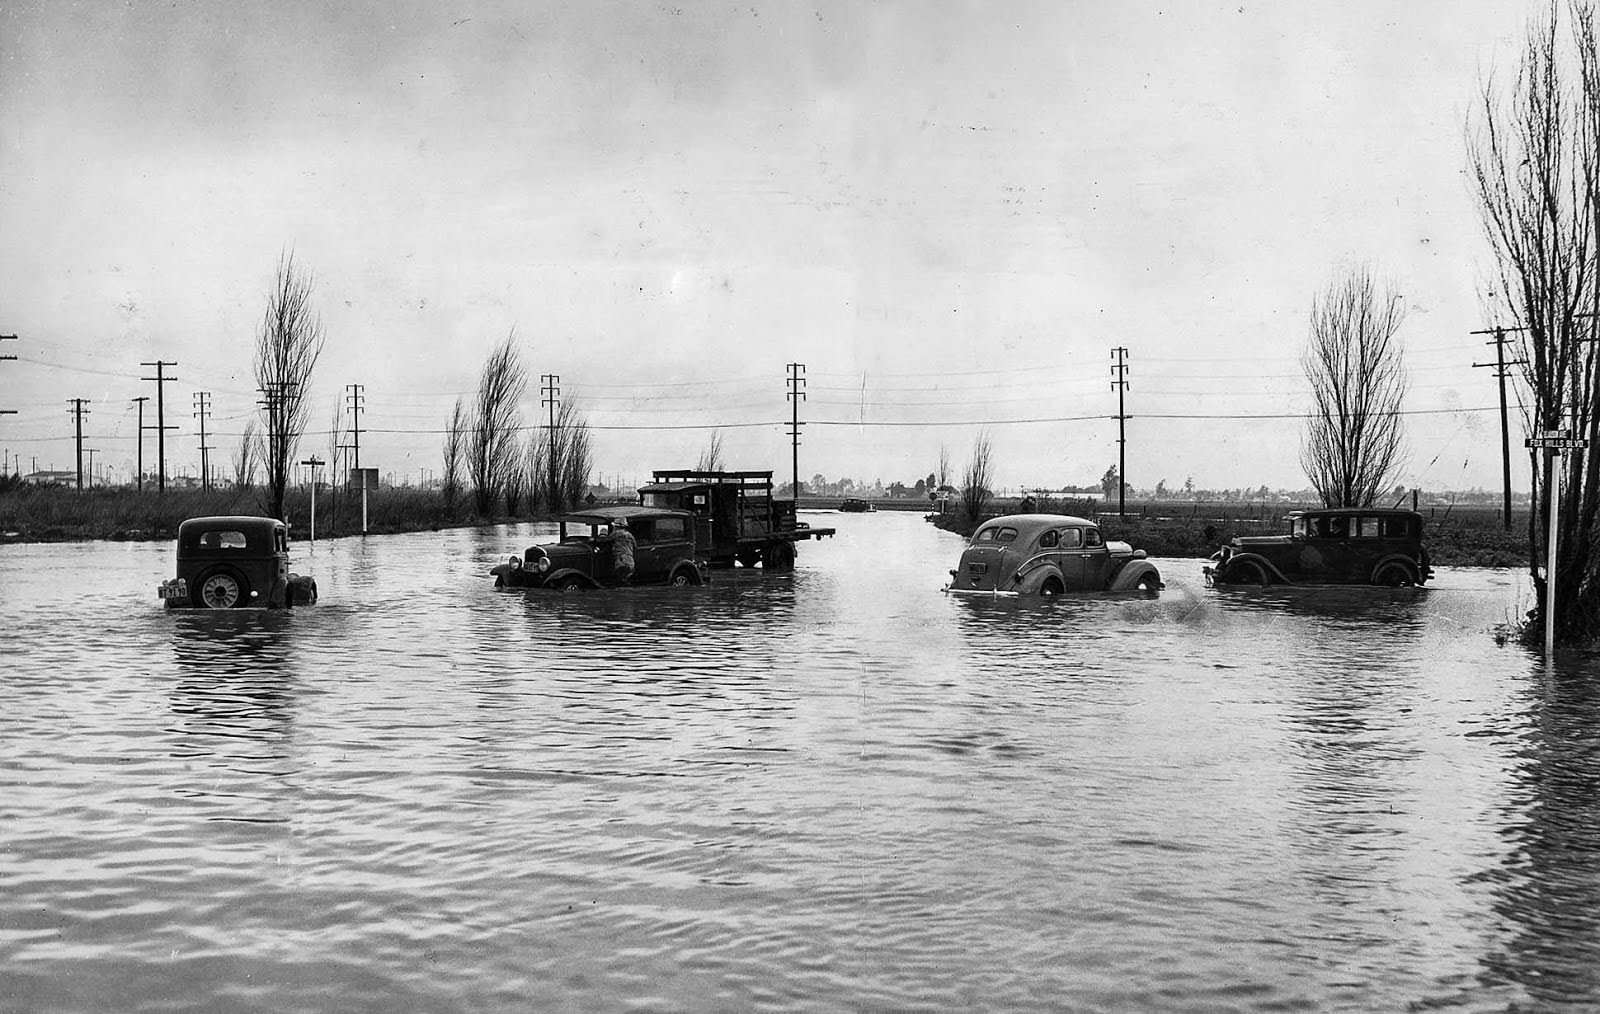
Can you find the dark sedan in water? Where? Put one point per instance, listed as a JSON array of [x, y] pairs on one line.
[[1346, 545]]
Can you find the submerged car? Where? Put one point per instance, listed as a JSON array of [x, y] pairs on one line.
[[855, 505], [229, 562], [1345, 545], [584, 557], [1047, 554]]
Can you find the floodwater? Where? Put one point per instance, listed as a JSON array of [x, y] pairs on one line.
[[832, 790]]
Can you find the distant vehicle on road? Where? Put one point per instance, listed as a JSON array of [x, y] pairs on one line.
[[1048, 554], [1345, 545], [228, 562], [664, 552], [735, 516], [854, 505]]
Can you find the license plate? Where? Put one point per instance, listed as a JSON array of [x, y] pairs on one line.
[[178, 589]]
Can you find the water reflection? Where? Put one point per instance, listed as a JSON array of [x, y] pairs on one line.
[[234, 692], [1546, 888]]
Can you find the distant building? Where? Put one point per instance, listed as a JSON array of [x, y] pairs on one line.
[[51, 478]]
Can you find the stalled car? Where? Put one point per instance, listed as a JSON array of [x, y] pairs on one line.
[[1048, 554], [1345, 545], [585, 556], [230, 562]]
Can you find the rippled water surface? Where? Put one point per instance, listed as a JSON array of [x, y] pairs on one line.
[[837, 789]]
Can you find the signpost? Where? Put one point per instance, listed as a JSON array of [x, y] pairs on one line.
[[1556, 443], [314, 463], [367, 479]]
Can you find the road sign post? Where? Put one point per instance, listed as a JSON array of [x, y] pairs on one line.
[[314, 463], [1555, 443]]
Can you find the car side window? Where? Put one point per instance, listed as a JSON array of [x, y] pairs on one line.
[[1368, 528], [1396, 528], [1092, 539], [671, 529], [1006, 535], [1050, 539], [1338, 527], [643, 529], [1071, 538], [986, 535]]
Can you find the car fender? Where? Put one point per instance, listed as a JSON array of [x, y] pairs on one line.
[[1410, 563], [556, 576], [697, 571], [1132, 572], [1031, 576], [1224, 570]]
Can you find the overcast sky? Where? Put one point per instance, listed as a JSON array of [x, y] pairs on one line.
[[949, 212]]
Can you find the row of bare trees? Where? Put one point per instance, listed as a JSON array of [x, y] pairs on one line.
[[489, 452], [1535, 162]]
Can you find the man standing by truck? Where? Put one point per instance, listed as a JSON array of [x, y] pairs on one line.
[[622, 546]]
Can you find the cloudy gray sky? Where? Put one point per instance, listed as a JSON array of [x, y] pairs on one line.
[[949, 212]]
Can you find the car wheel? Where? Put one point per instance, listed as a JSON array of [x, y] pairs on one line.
[[1394, 575], [1250, 572], [684, 577], [1051, 587], [569, 584], [749, 559], [221, 588], [1150, 581], [778, 556]]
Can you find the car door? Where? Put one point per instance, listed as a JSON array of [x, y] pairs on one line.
[[646, 551], [1074, 560], [1096, 559]]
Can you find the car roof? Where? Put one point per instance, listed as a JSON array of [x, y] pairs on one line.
[[606, 515], [235, 521], [1031, 521]]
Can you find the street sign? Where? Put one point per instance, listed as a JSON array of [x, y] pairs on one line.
[[1561, 442], [364, 478]]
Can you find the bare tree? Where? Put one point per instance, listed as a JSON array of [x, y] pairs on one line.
[[1353, 445], [568, 459], [711, 457], [244, 459], [944, 465], [491, 442], [336, 445], [975, 481], [533, 469], [455, 440], [517, 477], [1535, 158], [287, 348]]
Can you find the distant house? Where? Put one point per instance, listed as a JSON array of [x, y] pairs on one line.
[[51, 478]]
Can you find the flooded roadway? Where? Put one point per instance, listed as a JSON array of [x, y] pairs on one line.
[[836, 789]]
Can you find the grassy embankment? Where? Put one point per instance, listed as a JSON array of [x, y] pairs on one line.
[[29, 514], [1455, 536]]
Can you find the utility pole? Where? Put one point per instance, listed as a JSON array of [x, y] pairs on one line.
[[795, 395], [357, 398], [202, 408], [550, 394], [139, 455], [1119, 369], [77, 411], [91, 451], [162, 380], [1500, 364], [8, 338]]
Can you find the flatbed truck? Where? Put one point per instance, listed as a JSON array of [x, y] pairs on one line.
[[736, 518]]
